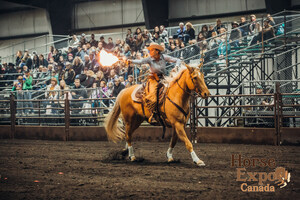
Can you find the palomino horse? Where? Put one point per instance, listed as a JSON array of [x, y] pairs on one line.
[[176, 108]]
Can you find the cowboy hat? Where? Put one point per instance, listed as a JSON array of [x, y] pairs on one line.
[[154, 45]]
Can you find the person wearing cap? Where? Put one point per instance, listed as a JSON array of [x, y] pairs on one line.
[[69, 74], [157, 62], [235, 34]]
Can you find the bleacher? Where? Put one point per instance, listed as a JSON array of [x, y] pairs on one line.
[[238, 62]]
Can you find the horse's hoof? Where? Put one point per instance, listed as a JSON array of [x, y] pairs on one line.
[[170, 160], [200, 163], [132, 158]]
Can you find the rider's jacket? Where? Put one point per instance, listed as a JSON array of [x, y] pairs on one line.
[[158, 67]]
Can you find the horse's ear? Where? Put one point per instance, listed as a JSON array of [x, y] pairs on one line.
[[189, 68]]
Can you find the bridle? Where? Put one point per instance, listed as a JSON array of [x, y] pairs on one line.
[[189, 93]]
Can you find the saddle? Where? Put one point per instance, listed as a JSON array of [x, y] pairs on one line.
[[139, 93]]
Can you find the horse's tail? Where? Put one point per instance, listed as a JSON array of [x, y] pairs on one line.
[[113, 130]]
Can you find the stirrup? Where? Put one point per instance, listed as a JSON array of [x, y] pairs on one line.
[[152, 119]]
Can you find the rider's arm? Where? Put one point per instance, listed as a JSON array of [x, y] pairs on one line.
[[171, 59], [142, 61]]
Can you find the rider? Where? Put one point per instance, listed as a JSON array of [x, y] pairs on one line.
[[157, 62]]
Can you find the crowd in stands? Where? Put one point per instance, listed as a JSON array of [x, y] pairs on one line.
[[79, 68]]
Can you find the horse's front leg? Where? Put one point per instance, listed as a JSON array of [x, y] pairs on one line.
[[179, 127], [128, 136], [171, 146]]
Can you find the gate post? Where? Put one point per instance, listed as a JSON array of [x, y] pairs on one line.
[[193, 127], [278, 113], [67, 118], [12, 116]]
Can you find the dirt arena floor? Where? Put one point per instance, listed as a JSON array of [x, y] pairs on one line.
[[34, 169]]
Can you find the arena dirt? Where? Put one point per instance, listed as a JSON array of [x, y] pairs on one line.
[[96, 170]]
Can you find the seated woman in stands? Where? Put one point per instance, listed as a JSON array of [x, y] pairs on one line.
[[223, 49], [189, 33], [52, 94]]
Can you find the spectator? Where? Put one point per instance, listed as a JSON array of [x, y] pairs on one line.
[[102, 40], [110, 89], [271, 20], [100, 46], [87, 62], [254, 26], [103, 89], [138, 42], [19, 57], [79, 92], [268, 32], [99, 78], [180, 31], [110, 45], [235, 34], [204, 31], [42, 60], [95, 94], [112, 75], [28, 60], [66, 94], [137, 32], [50, 54], [129, 81], [129, 33], [69, 74], [11, 70], [56, 55], [35, 61], [18, 87], [202, 43], [146, 40], [164, 34], [210, 31], [80, 52], [52, 94], [93, 42], [90, 79], [82, 39], [27, 86], [118, 43], [60, 72], [218, 26], [70, 58], [127, 51], [117, 87], [77, 66], [143, 73], [243, 27], [157, 38], [74, 41], [223, 50]]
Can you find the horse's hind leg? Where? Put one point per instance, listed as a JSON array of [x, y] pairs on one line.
[[171, 146], [179, 127], [129, 129]]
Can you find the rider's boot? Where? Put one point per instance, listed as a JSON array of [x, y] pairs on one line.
[[152, 119]]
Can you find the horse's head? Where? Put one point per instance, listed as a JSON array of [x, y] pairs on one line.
[[196, 81]]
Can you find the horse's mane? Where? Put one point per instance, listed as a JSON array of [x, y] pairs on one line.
[[174, 76]]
